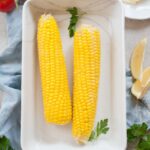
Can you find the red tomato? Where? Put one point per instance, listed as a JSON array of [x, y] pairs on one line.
[[7, 5]]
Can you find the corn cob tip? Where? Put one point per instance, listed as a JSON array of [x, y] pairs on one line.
[[81, 140], [46, 16], [87, 27]]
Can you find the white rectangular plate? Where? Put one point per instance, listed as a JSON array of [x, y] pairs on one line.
[[36, 134]]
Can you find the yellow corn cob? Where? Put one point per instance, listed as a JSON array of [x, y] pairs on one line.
[[86, 81], [55, 90]]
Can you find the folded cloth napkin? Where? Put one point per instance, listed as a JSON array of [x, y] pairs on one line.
[[10, 80], [138, 111]]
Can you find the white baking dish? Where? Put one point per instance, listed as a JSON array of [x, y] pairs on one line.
[[108, 17]]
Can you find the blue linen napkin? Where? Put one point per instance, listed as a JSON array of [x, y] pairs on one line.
[[10, 86], [10, 80]]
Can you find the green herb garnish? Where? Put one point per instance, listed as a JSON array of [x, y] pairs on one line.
[[101, 128], [140, 134], [73, 20], [75, 15], [5, 144]]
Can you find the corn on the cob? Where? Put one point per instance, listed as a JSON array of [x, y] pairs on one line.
[[86, 81], [55, 89]]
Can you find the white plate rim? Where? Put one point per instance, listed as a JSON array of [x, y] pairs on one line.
[[134, 12]]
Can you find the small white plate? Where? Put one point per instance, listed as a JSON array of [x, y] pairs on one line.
[[138, 11]]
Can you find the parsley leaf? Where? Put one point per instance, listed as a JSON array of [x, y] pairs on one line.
[[143, 145], [73, 11], [75, 15], [73, 20], [5, 144], [136, 131], [101, 128], [139, 133]]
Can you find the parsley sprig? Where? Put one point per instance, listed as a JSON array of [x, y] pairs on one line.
[[73, 20], [139, 133], [101, 128], [75, 15], [5, 144]]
